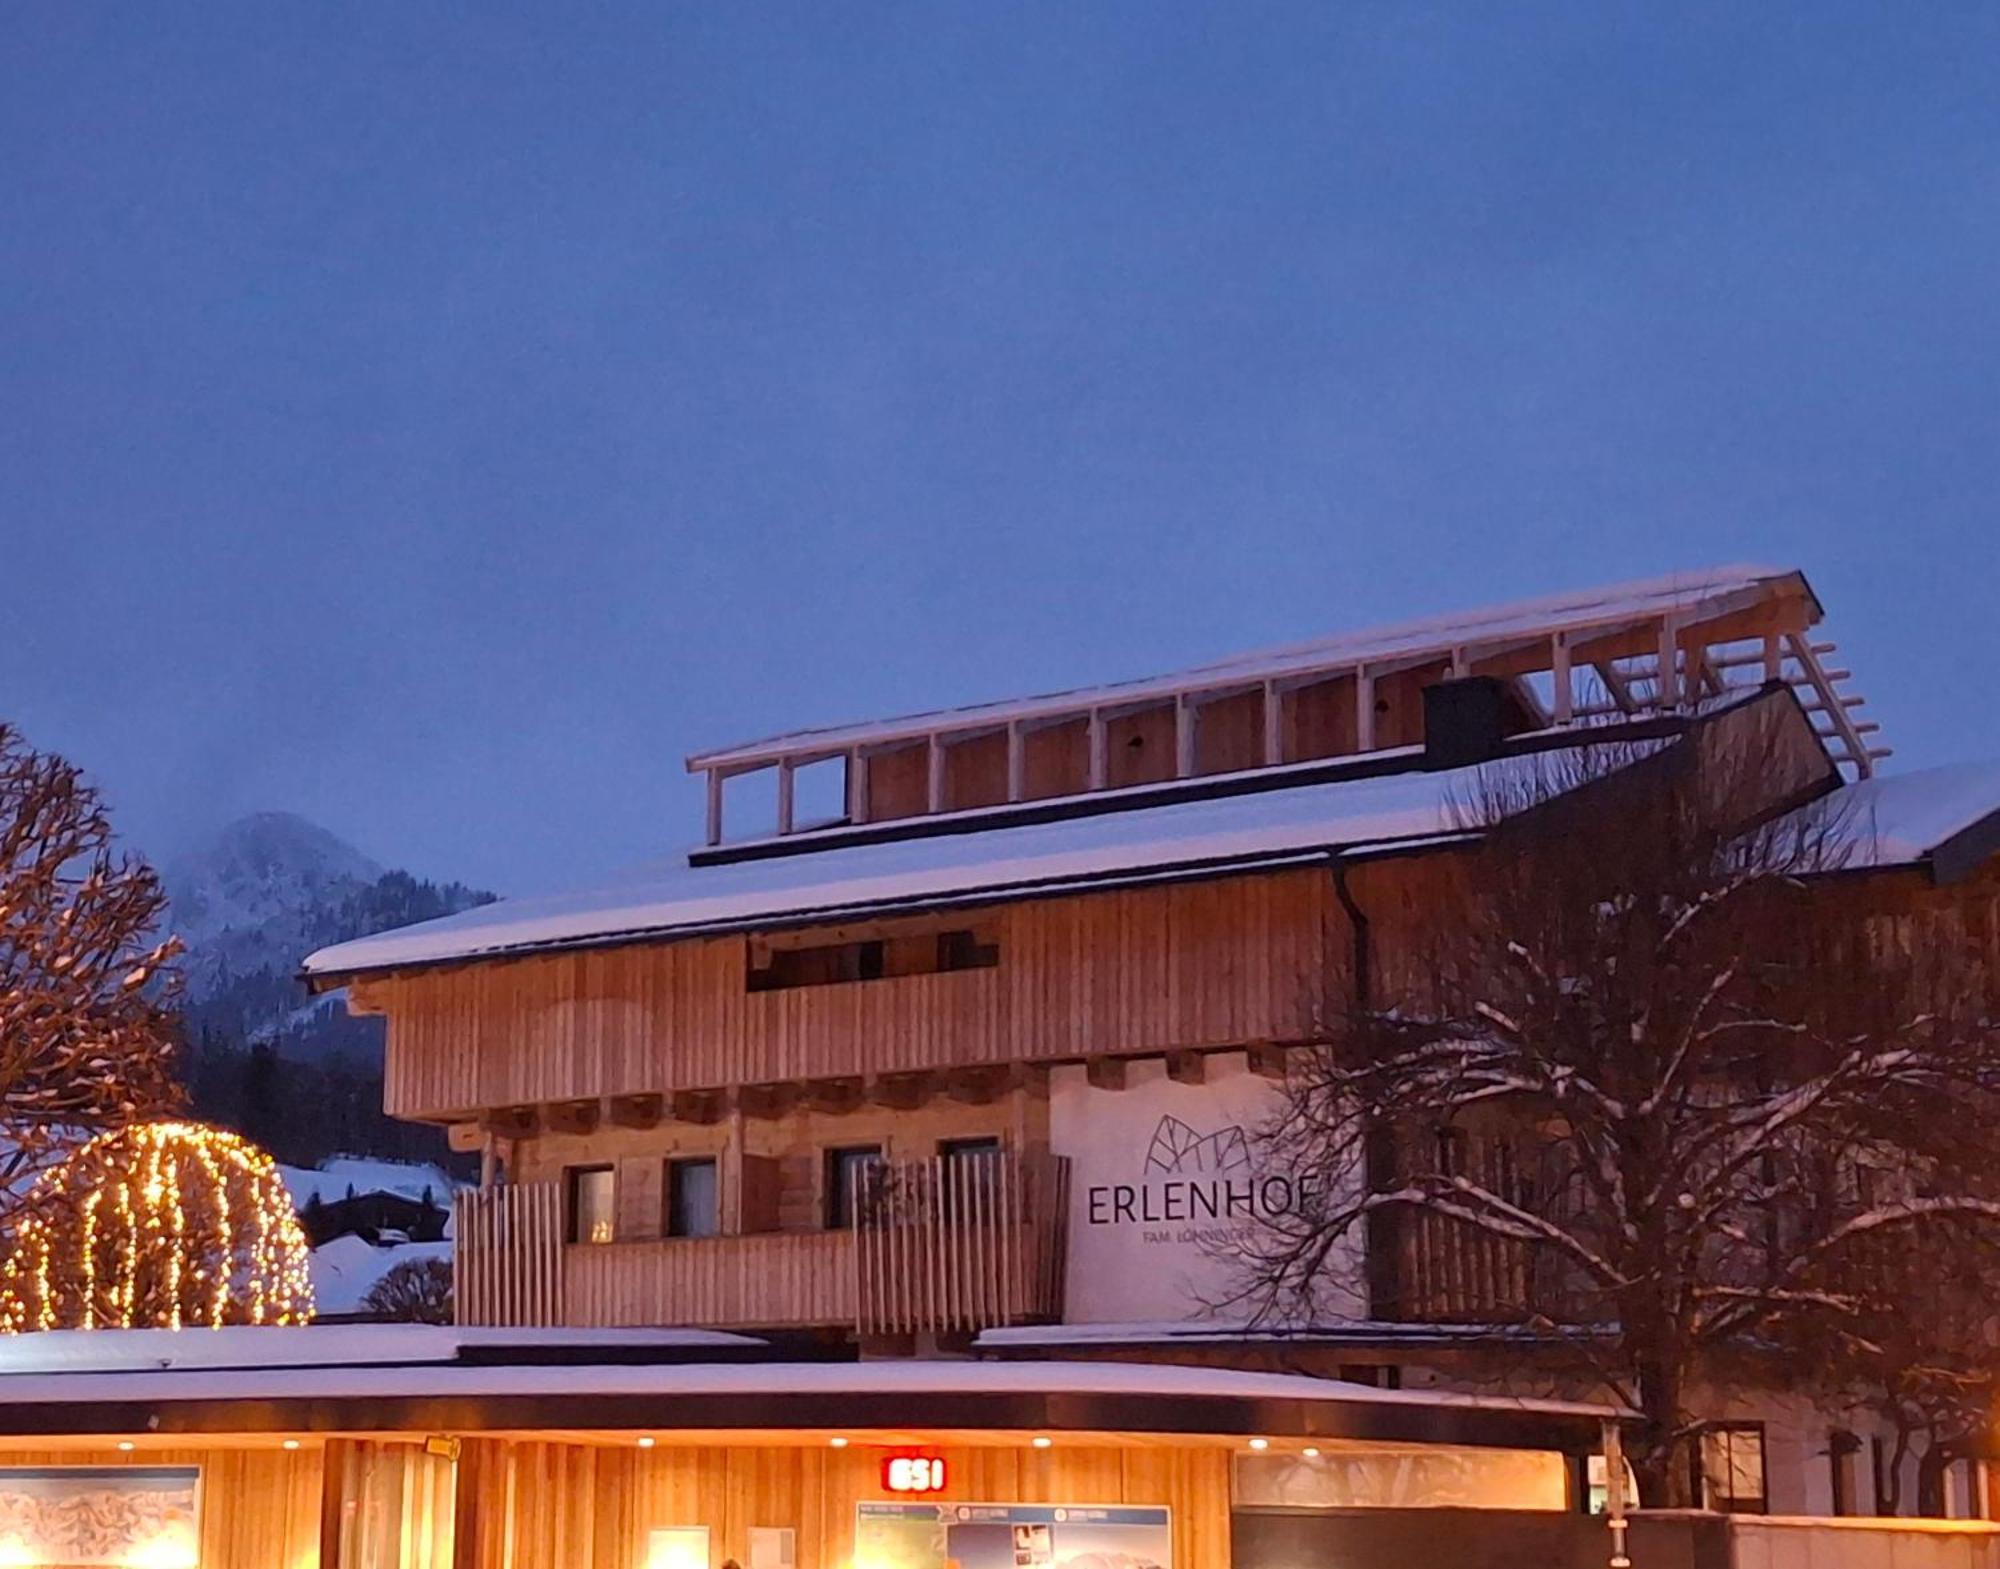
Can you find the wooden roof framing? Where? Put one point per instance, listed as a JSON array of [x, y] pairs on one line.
[[1668, 645]]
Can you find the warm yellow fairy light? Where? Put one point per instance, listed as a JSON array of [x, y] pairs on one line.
[[162, 1225]]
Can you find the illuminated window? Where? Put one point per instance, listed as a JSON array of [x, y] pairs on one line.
[[1731, 1467], [593, 1204]]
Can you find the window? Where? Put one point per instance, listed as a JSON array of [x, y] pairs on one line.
[[850, 1176], [693, 1197], [969, 1184], [1843, 1451], [1731, 1467], [868, 959], [593, 1204]]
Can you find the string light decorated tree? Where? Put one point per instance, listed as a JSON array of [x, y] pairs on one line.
[[163, 1225]]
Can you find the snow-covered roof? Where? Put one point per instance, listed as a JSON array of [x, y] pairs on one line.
[[674, 898], [330, 1180], [1684, 595], [273, 1372], [68, 1352], [1949, 816], [346, 1269]]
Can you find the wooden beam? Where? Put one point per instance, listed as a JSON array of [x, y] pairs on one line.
[[976, 1086], [1187, 1067], [464, 1138], [1614, 683], [899, 1091], [1274, 725], [1774, 657], [785, 795], [934, 791], [1269, 1061], [836, 1097], [1105, 1073], [1364, 711], [1666, 675], [1017, 763], [715, 806], [1564, 680], [1099, 752], [635, 1111], [573, 1116], [857, 786], [512, 1122], [698, 1106], [1186, 718], [766, 1101]]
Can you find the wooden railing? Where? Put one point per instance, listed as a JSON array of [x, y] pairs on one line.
[[961, 1243], [507, 1256], [766, 1280], [944, 1246]]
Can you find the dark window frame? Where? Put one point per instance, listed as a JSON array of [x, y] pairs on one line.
[[837, 1192], [1731, 1503], [670, 1193]]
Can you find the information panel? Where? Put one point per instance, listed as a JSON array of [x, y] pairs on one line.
[[1012, 1536], [112, 1517]]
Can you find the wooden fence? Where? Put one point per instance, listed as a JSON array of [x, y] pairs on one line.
[[960, 1243], [950, 1245]]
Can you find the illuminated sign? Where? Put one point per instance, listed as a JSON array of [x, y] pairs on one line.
[[913, 1473]]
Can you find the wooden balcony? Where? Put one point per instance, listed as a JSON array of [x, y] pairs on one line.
[[938, 1246]]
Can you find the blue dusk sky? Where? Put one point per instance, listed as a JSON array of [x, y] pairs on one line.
[[438, 420]]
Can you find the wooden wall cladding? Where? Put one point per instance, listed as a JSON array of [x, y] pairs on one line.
[[1225, 962], [590, 1506], [260, 1508]]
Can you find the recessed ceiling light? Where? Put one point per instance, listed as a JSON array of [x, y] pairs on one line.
[[1042, 1443], [1260, 1443], [646, 1442], [127, 1445], [838, 1443], [1311, 1453], [290, 1443]]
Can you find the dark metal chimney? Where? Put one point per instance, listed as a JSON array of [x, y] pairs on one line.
[[1464, 721]]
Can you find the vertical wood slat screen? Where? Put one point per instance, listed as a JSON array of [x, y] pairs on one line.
[[507, 1256], [959, 1244]]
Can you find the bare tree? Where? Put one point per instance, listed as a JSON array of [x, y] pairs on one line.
[[1648, 1049], [86, 1032], [416, 1291]]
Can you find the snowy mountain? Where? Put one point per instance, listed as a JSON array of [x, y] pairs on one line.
[[291, 1071], [255, 900]]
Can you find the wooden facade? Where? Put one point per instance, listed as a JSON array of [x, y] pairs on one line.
[[571, 1505], [1200, 965]]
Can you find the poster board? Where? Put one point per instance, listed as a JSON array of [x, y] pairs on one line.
[[936, 1535], [101, 1517]]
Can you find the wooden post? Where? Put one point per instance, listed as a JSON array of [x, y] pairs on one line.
[[715, 806], [1614, 1494], [1274, 725], [1666, 677], [785, 796], [1186, 717], [1774, 658], [1364, 711], [1017, 762], [1098, 771], [934, 793], [857, 786], [1565, 684]]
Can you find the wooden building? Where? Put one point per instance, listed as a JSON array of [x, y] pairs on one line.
[[401, 1447], [962, 1056]]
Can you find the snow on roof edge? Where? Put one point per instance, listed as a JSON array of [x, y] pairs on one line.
[[1635, 595]]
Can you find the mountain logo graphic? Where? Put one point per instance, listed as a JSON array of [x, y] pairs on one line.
[[1178, 1150]]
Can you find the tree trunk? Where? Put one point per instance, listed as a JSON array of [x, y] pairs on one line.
[[1657, 1455]]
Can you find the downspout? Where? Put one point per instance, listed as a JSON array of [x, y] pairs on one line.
[[1357, 921], [1380, 1244]]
